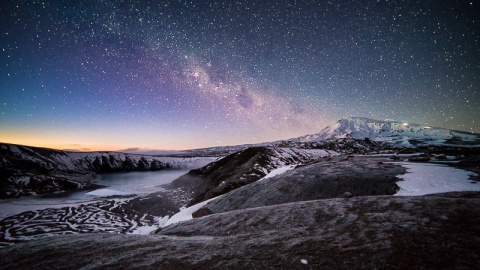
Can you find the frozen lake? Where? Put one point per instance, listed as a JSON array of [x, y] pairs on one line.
[[140, 183], [129, 183]]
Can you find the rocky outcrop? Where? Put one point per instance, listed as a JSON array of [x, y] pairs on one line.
[[241, 168], [202, 212], [342, 145], [334, 177], [31, 170]]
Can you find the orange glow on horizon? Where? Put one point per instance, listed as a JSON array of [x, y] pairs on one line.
[[83, 140], [66, 145], [84, 147]]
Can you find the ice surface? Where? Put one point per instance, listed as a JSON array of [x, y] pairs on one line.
[[139, 183], [427, 178], [105, 192]]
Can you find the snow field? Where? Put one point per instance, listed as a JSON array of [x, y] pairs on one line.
[[278, 171], [186, 213], [427, 178]]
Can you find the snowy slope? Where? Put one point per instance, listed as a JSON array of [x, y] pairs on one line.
[[280, 157], [31, 170], [242, 168], [396, 132], [50, 159]]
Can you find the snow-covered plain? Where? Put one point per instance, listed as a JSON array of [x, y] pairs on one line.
[[420, 179], [427, 178]]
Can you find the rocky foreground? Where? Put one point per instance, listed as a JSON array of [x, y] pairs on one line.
[[372, 232], [329, 177]]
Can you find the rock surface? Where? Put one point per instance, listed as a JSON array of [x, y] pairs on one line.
[[374, 232], [28, 170], [241, 168], [332, 177]]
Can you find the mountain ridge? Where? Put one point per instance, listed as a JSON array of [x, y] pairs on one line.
[[397, 132], [337, 133], [28, 170]]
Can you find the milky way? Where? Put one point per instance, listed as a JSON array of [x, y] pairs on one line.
[[186, 74]]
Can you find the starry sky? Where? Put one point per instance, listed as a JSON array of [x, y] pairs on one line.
[[140, 75]]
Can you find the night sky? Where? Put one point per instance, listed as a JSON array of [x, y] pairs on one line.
[[112, 75]]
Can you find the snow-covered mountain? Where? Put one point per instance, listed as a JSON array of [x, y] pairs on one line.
[[391, 131], [348, 135], [50, 159]]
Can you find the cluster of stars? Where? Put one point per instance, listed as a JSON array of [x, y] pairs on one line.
[[182, 74]]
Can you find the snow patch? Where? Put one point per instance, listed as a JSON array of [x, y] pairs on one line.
[[427, 178], [148, 229], [186, 213], [23, 180], [278, 171]]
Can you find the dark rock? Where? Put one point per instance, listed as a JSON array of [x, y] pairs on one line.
[[419, 158], [202, 212], [128, 164], [29, 170], [237, 170], [206, 182]]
